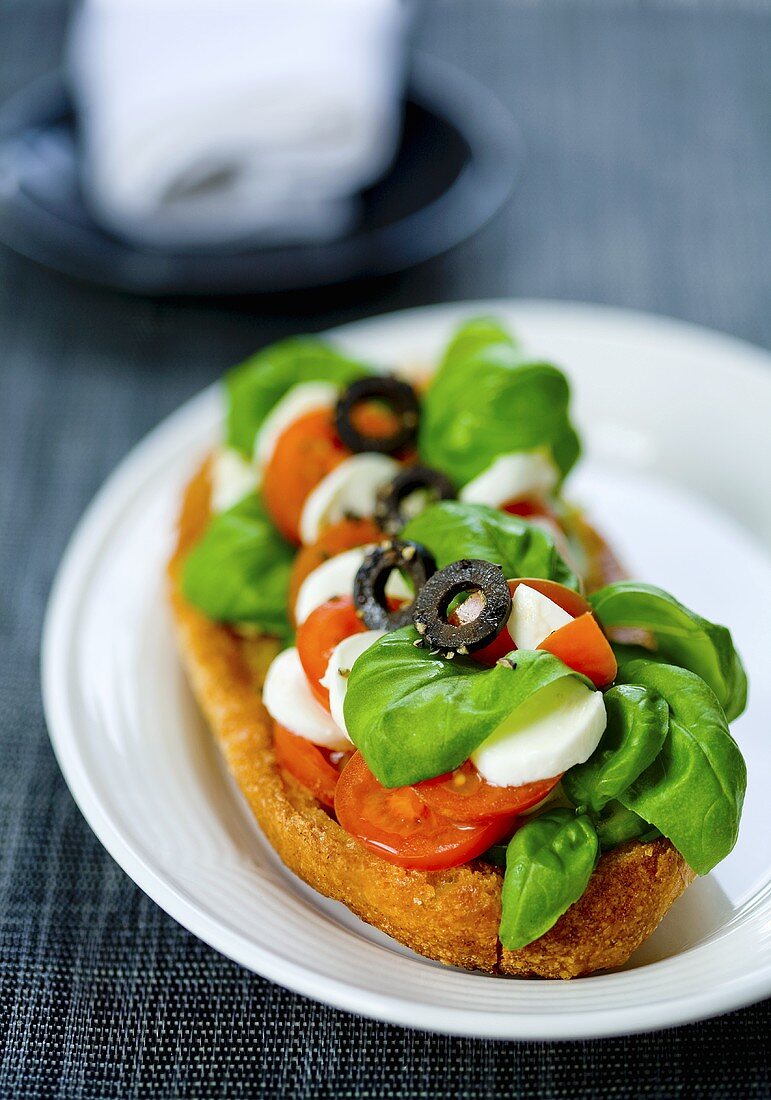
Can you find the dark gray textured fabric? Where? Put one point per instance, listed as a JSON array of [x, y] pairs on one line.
[[649, 158]]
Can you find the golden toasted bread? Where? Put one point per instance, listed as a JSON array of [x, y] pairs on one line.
[[451, 915]]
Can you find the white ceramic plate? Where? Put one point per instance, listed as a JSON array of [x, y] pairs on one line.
[[676, 423]]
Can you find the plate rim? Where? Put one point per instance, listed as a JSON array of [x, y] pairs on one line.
[[93, 528]]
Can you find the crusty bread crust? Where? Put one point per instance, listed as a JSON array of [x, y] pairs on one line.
[[452, 915]]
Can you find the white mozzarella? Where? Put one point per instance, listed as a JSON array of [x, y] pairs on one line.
[[349, 490], [335, 577], [232, 477], [561, 725], [512, 477], [289, 701], [534, 617], [335, 679], [296, 402]]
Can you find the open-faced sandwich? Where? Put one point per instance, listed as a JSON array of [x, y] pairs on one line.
[[446, 706]]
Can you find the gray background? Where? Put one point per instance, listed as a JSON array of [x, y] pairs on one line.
[[648, 127]]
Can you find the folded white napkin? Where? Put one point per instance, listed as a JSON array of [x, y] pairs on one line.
[[210, 121]]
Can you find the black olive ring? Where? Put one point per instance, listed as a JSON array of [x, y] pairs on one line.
[[369, 586], [433, 602], [388, 507], [400, 398]]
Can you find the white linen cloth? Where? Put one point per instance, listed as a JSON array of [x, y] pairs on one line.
[[209, 121]]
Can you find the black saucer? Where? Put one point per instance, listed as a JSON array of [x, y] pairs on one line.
[[459, 157]]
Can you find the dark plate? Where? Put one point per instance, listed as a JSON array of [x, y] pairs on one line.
[[459, 157]]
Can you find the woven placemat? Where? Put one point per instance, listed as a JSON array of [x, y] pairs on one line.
[[649, 159]]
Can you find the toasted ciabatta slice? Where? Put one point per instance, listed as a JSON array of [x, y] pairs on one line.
[[451, 915]]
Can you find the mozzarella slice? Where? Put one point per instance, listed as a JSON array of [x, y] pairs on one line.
[[561, 725], [335, 577], [349, 490], [534, 617], [289, 701], [232, 477], [335, 679], [512, 477], [296, 402]]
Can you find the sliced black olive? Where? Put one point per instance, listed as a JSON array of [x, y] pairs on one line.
[[433, 603], [369, 586], [400, 398], [390, 513]]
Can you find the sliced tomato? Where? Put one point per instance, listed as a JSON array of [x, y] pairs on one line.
[[464, 795], [527, 508], [346, 535], [314, 767], [306, 452], [498, 647], [324, 628], [583, 647], [402, 828]]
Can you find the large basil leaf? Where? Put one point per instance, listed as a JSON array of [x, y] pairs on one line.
[[615, 825], [239, 571], [694, 790], [414, 716], [548, 865], [452, 531], [566, 449], [681, 636], [638, 721], [490, 402], [471, 338], [255, 386]]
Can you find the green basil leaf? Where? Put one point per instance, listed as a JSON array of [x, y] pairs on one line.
[[625, 652], [566, 449], [616, 824], [548, 865], [491, 402], [694, 790], [638, 721], [452, 530], [470, 339], [239, 571], [682, 637], [255, 386], [414, 716]]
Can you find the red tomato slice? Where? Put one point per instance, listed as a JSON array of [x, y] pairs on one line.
[[324, 628], [346, 535], [306, 452], [308, 763], [464, 795], [527, 508], [399, 826], [583, 647]]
